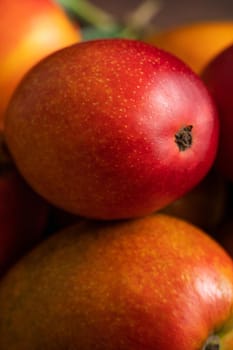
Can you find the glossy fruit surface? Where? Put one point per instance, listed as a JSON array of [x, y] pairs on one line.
[[195, 43], [30, 30], [151, 283], [218, 76], [118, 129]]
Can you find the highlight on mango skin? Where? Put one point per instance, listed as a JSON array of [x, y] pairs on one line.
[[116, 193]]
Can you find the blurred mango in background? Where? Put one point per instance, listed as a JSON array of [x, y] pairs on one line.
[[195, 43], [30, 30]]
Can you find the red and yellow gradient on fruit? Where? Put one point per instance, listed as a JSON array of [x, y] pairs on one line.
[[112, 129], [195, 43], [30, 30], [152, 283]]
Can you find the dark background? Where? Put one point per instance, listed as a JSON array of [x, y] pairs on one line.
[[174, 12]]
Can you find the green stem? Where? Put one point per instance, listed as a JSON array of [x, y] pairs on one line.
[[212, 343], [138, 20], [90, 13], [134, 25]]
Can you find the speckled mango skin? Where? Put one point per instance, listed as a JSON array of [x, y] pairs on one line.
[[30, 30], [146, 284], [92, 129]]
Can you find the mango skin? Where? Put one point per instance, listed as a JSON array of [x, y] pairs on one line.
[[30, 30], [152, 283], [195, 43], [218, 77], [92, 129]]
